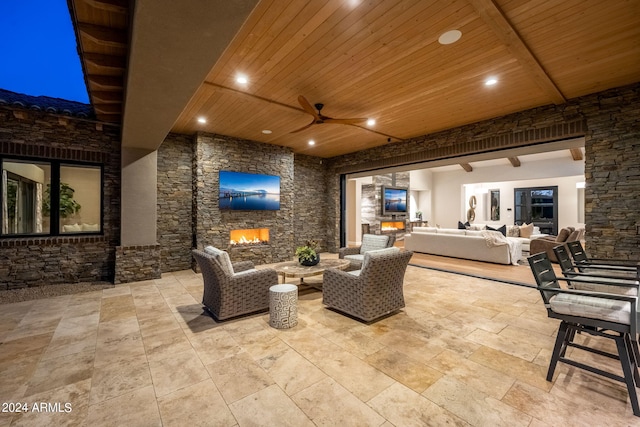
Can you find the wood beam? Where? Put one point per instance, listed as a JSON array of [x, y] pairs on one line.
[[576, 153], [515, 162], [105, 82], [105, 61], [466, 166], [107, 108], [105, 36], [107, 96], [495, 19], [116, 6]]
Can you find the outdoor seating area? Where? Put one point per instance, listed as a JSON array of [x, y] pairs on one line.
[[608, 311], [243, 213], [373, 291], [484, 356]]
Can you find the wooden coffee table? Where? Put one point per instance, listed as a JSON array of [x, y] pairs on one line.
[[293, 269]]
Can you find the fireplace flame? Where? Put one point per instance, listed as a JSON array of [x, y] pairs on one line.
[[253, 236]]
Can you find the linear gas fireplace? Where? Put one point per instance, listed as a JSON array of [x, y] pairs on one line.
[[249, 237], [392, 226]]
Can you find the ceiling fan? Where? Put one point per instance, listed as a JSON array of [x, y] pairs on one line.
[[319, 118]]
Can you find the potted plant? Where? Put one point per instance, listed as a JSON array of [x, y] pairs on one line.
[[68, 206], [307, 254], [419, 215]]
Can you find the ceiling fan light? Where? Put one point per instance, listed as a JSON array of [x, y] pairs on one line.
[[242, 79], [312, 142], [202, 120], [371, 122], [490, 81]]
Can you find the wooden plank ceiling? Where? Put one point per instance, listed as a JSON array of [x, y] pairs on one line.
[[381, 59], [102, 34]]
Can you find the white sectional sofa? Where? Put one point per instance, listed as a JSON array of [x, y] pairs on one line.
[[468, 244]]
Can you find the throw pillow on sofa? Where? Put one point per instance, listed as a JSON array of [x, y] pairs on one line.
[[502, 229], [513, 231], [464, 226], [526, 230]]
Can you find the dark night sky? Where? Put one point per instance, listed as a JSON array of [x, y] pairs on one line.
[[38, 54]]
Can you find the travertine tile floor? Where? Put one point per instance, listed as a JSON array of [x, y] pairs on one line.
[[465, 351]]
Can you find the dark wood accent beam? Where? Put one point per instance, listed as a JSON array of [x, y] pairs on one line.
[[466, 166], [495, 19], [106, 82], [107, 108], [107, 96], [515, 162], [116, 6], [105, 61], [105, 36], [576, 153]]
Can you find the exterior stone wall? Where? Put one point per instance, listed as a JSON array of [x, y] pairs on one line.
[[310, 219], [35, 261], [212, 225], [610, 123], [612, 172], [136, 263], [175, 202]]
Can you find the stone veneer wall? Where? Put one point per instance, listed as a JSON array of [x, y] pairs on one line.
[[612, 145], [212, 225], [175, 202], [35, 261], [137, 263], [310, 209], [371, 205]]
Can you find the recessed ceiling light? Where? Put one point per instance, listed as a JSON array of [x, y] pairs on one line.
[[312, 142], [490, 81], [371, 122], [202, 120], [266, 132], [242, 79], [450, 37]]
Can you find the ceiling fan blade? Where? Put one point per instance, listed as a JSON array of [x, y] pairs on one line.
[[306, 105], [345, 121], [303, 127]]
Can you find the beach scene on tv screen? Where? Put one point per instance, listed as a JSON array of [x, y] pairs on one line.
[[249, 191], [395, 200]]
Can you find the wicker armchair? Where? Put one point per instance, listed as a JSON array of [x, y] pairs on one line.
[[232, 290], [372, 292], [355, 255]]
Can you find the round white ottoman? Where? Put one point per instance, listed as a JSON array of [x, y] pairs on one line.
[[283, 306]]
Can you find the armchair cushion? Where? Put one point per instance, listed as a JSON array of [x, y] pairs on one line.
[[222, 257], [371, 242], [378, 253], [592, 307]]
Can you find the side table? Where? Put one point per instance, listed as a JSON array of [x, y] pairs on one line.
[[283, 306]]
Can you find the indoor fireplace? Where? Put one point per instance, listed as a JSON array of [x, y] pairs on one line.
[[249, 237], [392, 226]]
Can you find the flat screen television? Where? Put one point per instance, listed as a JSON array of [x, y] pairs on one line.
[[249, 191], [394, 200]]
